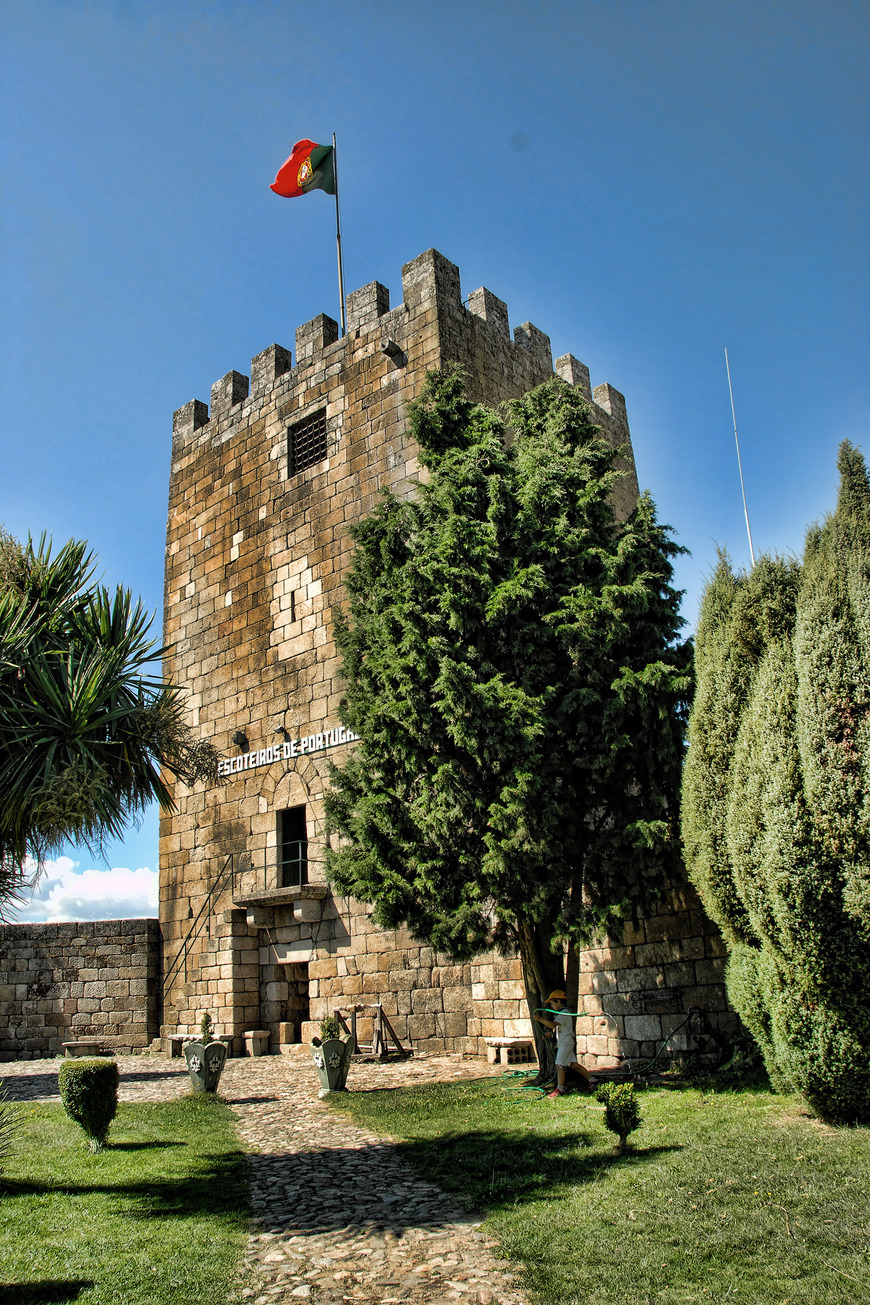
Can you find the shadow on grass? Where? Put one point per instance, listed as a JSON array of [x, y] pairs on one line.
[[29, 1087], [154, 1145], [247, 1101], [497, 1169], [726, 1084], [219, 1186], [55, 1292], [387, 1186]]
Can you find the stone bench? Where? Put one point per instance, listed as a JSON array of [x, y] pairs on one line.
[[257, 1042], [510, 1051], [86, 1047]]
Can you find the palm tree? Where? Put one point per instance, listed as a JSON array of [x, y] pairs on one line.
[[86, 732]]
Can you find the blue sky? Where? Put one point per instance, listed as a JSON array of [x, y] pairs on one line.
[[647, 182]]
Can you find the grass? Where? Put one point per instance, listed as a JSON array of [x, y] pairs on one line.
[[159, 1216], [736, 1197]]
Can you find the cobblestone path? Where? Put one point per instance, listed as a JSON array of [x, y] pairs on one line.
[[338, 1217]]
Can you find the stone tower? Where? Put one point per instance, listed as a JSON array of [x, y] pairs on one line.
[[264, 484]]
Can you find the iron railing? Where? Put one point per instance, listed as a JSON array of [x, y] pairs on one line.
[[244, 880], [270, 874], [293, 863], [200, 922]]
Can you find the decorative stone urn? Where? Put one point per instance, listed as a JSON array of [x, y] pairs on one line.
[[332, 1062], [205, 1062]]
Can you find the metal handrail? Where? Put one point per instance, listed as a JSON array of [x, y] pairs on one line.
[[199, 923], [263, 871], [230, 872]]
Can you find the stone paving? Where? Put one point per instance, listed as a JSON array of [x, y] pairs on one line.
[[338, 1217]]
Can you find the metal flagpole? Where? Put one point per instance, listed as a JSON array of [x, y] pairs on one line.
[[739, 464], [338, 239]]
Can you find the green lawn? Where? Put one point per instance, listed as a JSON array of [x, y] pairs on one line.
[[159, 1216], [733, 1197]]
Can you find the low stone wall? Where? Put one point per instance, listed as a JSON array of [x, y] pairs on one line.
[[61, 982]]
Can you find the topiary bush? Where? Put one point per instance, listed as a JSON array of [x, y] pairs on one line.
[[621, 1110], [89, 1093]]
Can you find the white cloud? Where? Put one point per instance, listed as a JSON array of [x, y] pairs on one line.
[[66, 892]]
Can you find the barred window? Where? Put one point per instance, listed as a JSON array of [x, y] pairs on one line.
[[306, 443]]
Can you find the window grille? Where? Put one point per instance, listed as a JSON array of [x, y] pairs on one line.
[[306, 443], [292, 848]]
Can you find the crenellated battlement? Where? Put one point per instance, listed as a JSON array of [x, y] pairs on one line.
[[476, 326]]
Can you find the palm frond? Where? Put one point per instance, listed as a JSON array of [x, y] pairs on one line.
[[88, 730]]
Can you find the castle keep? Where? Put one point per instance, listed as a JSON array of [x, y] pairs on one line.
[[265, 482], [264, 485]]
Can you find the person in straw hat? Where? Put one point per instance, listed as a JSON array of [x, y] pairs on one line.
[[566, 1046]]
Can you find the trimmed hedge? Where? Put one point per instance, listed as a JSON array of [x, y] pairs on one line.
[[89, 1093]]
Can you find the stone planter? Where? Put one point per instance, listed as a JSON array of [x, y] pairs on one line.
[[332, 1062], [205, 1064]]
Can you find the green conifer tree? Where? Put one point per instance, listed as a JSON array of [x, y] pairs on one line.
[[776, 805], [514, 670]]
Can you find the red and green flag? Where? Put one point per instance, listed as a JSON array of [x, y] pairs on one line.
[[309, 167]]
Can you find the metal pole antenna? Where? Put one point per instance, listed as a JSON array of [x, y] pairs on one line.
[[338, 240], [739, 464]]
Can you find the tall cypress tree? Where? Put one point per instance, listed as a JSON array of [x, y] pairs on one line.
[[776, 800], [514, 669]]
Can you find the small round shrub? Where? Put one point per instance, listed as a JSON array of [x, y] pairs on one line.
[[89, 1093], [621, 1110]]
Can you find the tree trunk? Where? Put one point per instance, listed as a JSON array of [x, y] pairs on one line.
[[543, 970], [572, 979]]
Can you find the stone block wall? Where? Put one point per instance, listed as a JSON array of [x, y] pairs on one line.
[[432, 1002], [61, 982], [257, 550], [637, 990], [634, 991]]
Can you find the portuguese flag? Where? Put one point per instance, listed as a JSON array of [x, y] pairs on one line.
[[309, 167]]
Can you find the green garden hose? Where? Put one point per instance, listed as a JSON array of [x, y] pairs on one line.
[[550, 1011], [541, 1089]]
